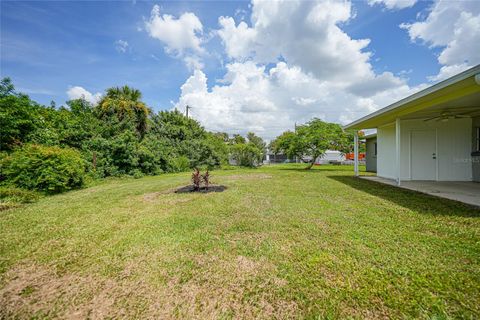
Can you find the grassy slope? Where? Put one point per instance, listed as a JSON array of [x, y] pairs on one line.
[[278, 242]]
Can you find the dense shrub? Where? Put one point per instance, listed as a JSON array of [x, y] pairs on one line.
[[246, 154], [49, 169], [118, 136], [179, 164]]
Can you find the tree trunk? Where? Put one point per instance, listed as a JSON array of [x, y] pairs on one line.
[[310, 165], [94, 161]]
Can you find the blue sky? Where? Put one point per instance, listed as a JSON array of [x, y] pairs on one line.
[[49, 47], [392, 47]]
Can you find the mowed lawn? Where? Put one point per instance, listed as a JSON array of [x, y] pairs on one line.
[[279, 242]]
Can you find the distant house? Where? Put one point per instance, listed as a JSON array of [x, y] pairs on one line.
[[432, 135], [331, 156], [271, 157]]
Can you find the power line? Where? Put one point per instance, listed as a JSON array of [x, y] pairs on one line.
[[260, 111]]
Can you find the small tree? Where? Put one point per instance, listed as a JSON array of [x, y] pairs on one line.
[[196, 179], [206, 179], [312, 140]]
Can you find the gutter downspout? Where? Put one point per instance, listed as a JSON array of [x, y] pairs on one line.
[[397, 149]]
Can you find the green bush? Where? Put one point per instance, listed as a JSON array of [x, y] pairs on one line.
[[246, 154], [179, 164], [42, 168], [137, 174], [16, 195]]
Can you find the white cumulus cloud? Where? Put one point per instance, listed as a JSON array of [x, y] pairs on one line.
[[308, 35], [293, 62], [78, 92], [304, 33], [453, 26], [238, 40], [251, 98], [448, 71], [393, 4], [177, 34]]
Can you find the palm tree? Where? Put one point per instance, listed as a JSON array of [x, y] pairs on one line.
[[125, 103]]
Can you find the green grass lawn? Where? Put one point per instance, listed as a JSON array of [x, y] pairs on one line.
[[280, 242]]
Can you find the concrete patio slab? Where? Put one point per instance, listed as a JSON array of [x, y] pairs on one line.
[[466, 192]]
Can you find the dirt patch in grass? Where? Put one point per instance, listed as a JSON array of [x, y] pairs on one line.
[[38, 291], [238, 287], [153, 196], [212, 188], [168, 195]]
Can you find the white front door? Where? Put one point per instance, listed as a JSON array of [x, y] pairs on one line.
[[423, 154]]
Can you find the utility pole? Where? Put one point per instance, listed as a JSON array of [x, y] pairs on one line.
[[186, 109], [296, 158]]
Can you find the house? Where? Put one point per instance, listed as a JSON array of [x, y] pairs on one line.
[[432, 135], [331, 156]]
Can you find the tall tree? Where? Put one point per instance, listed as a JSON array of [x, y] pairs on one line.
[[237, 139], [125, 104], [175, 126], [257, 142], [186, 137], [285, 143], [18, 116]]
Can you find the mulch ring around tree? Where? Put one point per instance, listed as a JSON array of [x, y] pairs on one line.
[[211, 188]]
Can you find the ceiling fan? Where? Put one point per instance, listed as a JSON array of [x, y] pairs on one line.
[[445, 116]]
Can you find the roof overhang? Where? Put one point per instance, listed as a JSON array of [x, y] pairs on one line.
[[459, 94]]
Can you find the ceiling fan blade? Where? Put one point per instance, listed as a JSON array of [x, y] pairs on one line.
[[469, 112], [430, 119]]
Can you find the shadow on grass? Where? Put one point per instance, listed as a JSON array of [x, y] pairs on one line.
[[415, 201], [318, 169]]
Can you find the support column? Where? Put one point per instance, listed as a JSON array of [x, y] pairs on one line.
[[355, 152], [397, 150]]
